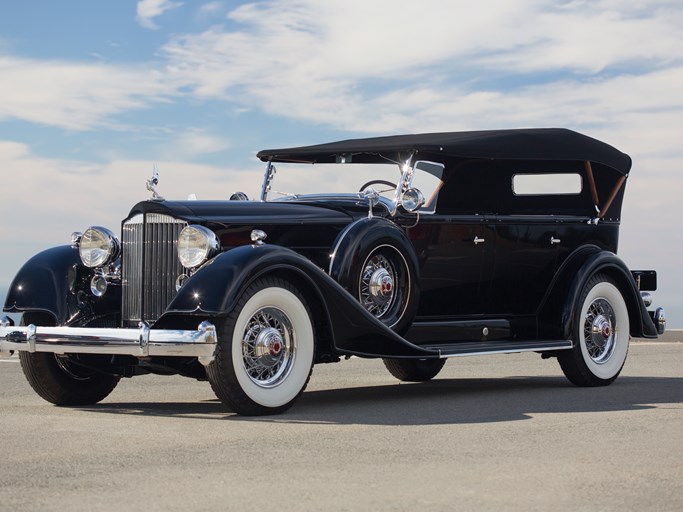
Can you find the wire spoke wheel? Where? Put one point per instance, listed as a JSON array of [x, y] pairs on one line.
[[384, 285], [600, 330], [268, 349], [265, 350], [377, 285], [600, 334]]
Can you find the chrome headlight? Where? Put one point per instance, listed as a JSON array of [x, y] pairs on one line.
[[98, 246], [412, 199], [196, 244]]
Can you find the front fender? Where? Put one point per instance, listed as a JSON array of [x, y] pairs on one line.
[[215, 289], [46, 283]]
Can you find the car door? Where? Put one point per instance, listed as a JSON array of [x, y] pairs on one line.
[[455, 255], [524, 263]]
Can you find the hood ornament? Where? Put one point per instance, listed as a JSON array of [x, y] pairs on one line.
[[152, 184]]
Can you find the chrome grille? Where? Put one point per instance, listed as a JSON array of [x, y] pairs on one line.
[[150, 266]]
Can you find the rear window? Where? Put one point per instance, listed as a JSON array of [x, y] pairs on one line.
[[546, 184]]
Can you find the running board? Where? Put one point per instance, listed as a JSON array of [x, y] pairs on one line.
[[478, 348]]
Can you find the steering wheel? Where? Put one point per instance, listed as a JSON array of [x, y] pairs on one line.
[[377, 182]]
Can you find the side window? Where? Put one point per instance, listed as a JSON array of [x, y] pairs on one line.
[[546, 184]]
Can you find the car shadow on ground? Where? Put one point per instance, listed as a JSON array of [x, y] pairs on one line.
[[441, 401]]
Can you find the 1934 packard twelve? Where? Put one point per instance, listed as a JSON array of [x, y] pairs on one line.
[[482, 243]]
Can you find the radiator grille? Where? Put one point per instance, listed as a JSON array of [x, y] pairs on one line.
[[150, 266]]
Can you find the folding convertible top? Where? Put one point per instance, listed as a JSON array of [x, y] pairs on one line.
[[556, 144]]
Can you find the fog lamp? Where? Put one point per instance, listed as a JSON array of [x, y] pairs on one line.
[[98, 286]]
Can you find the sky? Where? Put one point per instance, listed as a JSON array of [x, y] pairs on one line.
[[94, 93]]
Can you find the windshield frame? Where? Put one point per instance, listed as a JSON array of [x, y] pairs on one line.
[[408, 173]]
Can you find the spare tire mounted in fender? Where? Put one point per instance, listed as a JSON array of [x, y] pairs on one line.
[[375, 262]]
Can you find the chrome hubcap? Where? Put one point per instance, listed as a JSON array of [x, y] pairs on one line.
[[377, 285], [268, 348], [600, 329], [381, 285]]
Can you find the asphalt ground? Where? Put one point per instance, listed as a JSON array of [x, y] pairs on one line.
[[489, 433]]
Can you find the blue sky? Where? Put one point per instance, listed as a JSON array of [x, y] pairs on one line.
[[92, 93]]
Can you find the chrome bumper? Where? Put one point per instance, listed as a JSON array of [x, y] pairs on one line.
[[142, 342]]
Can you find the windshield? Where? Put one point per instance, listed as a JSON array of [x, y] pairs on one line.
[[299, 179], [293, 181]]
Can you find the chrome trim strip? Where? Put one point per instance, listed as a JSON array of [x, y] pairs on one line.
[[508, 351], [142, 342], [268, 176], [660, 319]]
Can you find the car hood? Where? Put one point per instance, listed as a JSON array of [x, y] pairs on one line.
[[247, 212]]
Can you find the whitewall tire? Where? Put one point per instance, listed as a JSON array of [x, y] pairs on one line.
[[600, 333], [265, 350]]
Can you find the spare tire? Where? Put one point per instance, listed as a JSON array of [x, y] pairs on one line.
[[376, 263]]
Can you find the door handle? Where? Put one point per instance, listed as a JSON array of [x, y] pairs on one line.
[[478, 240], [554, 240]]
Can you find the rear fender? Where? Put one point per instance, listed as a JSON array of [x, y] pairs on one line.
[[561, 306]]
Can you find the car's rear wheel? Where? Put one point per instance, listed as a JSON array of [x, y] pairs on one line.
[[600, 333], [60, 379], [265, 350], [414, 370]]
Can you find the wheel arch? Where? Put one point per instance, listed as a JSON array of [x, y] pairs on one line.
[[322, 327], [560, 307], [358, 237]]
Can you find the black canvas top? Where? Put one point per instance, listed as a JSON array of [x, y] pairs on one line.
[[523, 144]]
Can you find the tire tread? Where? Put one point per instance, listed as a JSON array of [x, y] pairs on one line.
[[220, 372], [414, 370], [571, 361]]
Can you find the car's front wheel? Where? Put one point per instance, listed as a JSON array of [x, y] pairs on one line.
[[60, 379], [265, 350], [600, 333]]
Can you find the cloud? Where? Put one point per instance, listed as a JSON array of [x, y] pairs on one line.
[[427, 64], [353, 74], [210, 10], [606, 67], [196, 141], [60, 196], [73, 95], [147, 10]]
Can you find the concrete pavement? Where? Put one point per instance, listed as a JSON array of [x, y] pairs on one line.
[[490, 433]]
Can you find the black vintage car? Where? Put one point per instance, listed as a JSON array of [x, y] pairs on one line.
[[480, 243]]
